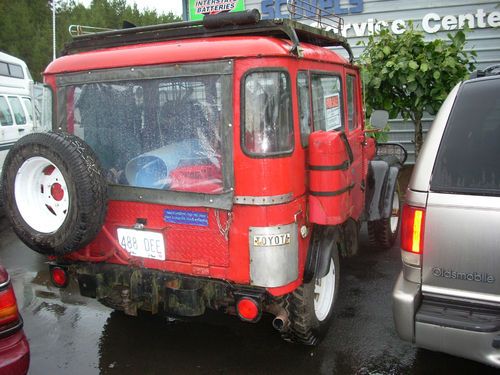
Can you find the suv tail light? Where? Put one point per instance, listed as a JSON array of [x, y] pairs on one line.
[[9, 314], [412, 233]]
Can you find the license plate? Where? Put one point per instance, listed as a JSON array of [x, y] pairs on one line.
[[142, 244]]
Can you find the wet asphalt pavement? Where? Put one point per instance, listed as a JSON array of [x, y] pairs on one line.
[[69, 334]]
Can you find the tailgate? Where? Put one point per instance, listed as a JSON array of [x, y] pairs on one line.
[[461, 255]]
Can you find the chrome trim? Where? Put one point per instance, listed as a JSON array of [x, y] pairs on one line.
[[270, 200], [460, 295]]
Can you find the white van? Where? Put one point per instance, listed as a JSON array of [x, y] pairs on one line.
[[16, 102]]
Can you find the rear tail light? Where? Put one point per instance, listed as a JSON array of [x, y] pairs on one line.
[[9, 315], [412, 229], [248, 309], [59, 276]]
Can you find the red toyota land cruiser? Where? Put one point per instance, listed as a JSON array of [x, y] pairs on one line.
[[217, 164]]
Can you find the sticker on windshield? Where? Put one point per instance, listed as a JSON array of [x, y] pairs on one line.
[[332, 111], [186, 217]]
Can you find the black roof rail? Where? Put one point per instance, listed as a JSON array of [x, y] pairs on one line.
[[226, 24], [489, 71]]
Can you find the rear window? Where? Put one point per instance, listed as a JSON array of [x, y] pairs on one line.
[[469, 154], [156, 133]]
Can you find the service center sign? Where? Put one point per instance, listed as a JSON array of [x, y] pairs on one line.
[[200, 8]]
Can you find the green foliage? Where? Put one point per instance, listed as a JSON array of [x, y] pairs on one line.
[[27, 25], [380, 135], [404, 74]]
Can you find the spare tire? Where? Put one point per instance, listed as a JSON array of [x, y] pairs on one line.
[[54, 192]]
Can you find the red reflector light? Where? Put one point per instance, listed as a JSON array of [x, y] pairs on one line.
[[8, 307], [59, 277], [412, 229], [247, 309]]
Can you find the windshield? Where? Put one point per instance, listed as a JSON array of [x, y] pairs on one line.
[[160, 133]]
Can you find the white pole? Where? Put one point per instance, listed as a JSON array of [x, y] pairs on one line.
[[54, 29]]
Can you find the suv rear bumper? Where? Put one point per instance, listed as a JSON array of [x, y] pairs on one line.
[[464, 330], [405, 301]]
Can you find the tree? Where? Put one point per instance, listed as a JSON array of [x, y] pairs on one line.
[[403, 74], [26, 25]]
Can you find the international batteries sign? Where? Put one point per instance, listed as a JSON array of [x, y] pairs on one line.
[[200, 8]]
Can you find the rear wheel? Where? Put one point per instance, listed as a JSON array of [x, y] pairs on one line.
[[54, 192], [383, 233], [310, 307]]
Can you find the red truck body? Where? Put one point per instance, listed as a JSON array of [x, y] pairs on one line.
[[236, 167]]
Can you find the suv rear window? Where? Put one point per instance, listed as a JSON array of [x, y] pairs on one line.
[[469, 154]]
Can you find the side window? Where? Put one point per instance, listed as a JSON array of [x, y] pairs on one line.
[[351, 102], [5, 115], [4, 69], [267, 114], [29, 107], [16, 71], [468, 157], [18, 110], [327, 99], [304, 107]]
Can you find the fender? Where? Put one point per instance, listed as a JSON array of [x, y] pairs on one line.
[[381, 182], [323, 243]]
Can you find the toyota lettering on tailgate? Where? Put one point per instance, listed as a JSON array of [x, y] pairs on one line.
[[272, 240]]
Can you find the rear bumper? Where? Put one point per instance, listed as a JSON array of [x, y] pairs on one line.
[[461, 329], [406, 299], [132, 289], [14, 354]]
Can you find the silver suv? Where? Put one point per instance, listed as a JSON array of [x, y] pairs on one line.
[[447, 298]]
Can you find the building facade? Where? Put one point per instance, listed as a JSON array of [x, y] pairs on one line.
[[436, 18]]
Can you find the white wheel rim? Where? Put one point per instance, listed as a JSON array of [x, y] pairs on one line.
[[324, 292], [394, 221], [41, 194]]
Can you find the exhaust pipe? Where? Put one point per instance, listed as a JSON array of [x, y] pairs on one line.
[[280, 321]]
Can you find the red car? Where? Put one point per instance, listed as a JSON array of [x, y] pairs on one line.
[[14, 347]]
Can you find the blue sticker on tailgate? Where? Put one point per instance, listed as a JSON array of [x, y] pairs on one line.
[[186, 217]]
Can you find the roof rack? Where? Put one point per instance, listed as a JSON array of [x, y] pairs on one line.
[[226, 24], [76, 30], [489, 71], [322, 18]]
